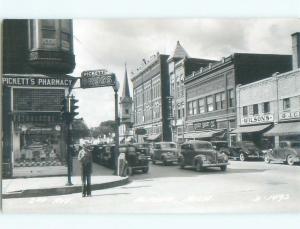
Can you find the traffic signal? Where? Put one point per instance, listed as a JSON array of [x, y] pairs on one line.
[[73, 107], [63, 109]]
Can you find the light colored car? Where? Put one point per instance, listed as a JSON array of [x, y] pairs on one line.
[[287, 152], [165, 152]]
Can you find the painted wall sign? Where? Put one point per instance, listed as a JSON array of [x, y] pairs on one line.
[[257, 119], [37, 81], [290, 115], [170, 107], [211, 124]]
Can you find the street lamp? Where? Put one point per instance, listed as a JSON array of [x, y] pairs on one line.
[[116, 151]]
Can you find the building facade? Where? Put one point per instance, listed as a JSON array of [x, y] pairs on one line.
[[180, 65], [37, 57], [211, 92], [151, 99], [268, 110]]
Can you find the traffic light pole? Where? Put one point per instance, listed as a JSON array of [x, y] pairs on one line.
[[69, 156], [116, 151]]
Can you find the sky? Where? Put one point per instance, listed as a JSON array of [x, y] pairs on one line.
[[110, 43]]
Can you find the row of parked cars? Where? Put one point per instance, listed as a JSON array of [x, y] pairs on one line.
[[196, 154]]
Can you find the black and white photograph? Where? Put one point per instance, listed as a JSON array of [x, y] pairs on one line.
[[142, 116]]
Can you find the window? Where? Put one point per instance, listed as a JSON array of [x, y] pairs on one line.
[[286, 104], [201, 105], [231, 98], [209, 103], [266, 107], [190, 108], [223, 98], [255, 109], [182, 112], [194, 107], [218, 105], [245, 110], [126, 111], [250, 111], [178, 113]]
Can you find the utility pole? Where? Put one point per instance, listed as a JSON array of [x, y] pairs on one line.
[[116, 151], [1, 138]]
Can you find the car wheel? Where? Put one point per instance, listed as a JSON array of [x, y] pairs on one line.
[[146, 170], [199, 166], [223, 167], [290, 160], [182, 164], [242, 157], [129, 171], [165, 162], [153, 162], [267, 159]]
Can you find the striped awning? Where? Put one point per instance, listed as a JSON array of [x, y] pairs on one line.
[[202, 134], [250, 129], [283, 129]]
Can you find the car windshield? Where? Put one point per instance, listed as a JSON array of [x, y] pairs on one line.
[[168, 145], [143, 145], [202, 146], [295, 144]]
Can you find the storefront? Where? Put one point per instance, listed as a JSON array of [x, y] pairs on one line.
[[37, 139]]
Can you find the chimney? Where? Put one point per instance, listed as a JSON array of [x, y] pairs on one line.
[[296, 50]]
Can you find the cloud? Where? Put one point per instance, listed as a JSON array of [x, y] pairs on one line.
[[110, 43]]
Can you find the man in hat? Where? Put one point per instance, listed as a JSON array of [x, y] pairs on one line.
[[85, 160]]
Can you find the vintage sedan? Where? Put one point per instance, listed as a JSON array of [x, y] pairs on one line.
[[200, 155], [165, 152], [136, 160], [244, 150], [287, 152], [143, 148]]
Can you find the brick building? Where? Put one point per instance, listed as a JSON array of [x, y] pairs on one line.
[[211, 92], [37, 56], [269, 110], [181, 65], [151, 99]]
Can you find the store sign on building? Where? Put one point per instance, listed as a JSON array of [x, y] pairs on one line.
[[97, 78], [257, 119], [290, 115], [170, 108], [211, 124], [37, 81]]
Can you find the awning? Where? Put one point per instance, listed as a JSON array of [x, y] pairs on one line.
[[153, 137], [283, 129], [202, 134], [250, 129]]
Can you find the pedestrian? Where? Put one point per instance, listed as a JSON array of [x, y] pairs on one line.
[[85, 159]]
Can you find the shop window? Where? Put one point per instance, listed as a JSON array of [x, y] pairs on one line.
[[201, 106], [286, 104], [245, 110], [255, 109], [231, 99], [266, 107], [209, 103]]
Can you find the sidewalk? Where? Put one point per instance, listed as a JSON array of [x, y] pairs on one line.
[[48, 186]]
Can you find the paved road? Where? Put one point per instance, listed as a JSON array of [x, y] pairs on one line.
[[246, 187]]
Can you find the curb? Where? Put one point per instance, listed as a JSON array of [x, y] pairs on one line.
[[62, 190]]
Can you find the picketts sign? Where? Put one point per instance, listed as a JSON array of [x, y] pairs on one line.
[[36, 81], [97, 78], [257, 119]]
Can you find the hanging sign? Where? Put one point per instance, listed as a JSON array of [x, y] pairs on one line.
[[97, 78]]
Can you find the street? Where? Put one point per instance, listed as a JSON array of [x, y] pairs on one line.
[[246, 187]]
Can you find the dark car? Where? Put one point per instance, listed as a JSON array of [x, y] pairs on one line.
[[287, 152], [143, 148], [97, 153], [165, 152], [221, 146], [136, 160], [244, 150], [106, 155], [201, 154]]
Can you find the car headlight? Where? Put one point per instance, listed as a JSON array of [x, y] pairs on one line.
[[225, 156]]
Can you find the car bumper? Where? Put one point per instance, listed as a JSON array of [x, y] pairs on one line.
[[171, 159], [215, 164], [255, 156]]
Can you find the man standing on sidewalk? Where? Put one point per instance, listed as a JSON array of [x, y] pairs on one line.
[[85, 160]]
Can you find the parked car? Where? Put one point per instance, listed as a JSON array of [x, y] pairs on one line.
[[287, 152], [107, 156], [136, 160], [221, 146], [200, 155], [165, 152], [143, 148], [244, 150], [97, 153]]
